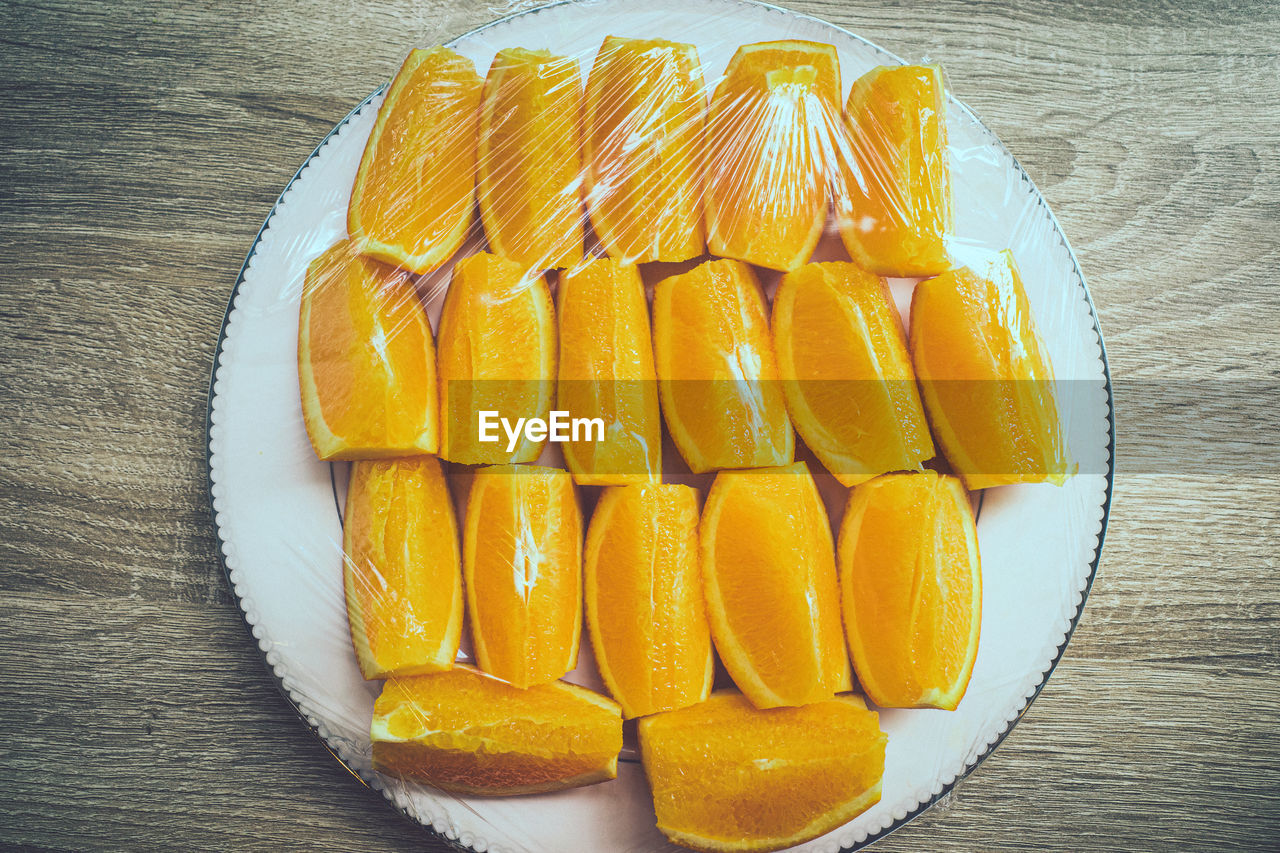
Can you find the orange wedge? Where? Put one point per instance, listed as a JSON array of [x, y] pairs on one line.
[[606, 372], [773, 127], [645, 608], [529, 170], [912, 589], [366, 364], [522, 557], [768, 564], [403, 572], [411, 202], [717, 375], [728, 777], [894, 203], [465, 732], [846, 373], [985, 377], [497, 354], [642, 138]]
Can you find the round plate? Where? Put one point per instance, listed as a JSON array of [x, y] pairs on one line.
[[280, 528]]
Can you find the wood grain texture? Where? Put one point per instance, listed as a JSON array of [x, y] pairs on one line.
[[141, 147]]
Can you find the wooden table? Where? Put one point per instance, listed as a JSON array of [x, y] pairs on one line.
[[142, 147]]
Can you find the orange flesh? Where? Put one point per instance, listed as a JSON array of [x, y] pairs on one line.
[[768, 565], [717, 375], [850, 388], [366, 363], [986, 382], [523, 562], [606, 372], [894, 203], [403, 572], [726, 776], [466, 732], [411, 202], [642, 137], [497, 353], [645, 606], [773, 128], [529, 169], [912, 589]]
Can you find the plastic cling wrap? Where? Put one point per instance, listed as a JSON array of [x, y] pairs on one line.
[[523, 307]]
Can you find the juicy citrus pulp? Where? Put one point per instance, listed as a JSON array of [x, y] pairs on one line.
[[717, 375], [411, 202], [529, 161], [403, 571], [522, 558], [768, 564], [469, 733], [366, 364], [893, 200], [497, 353], [986, 378], [772, 130], [642, 144], [846, 373], [729, 777], [606, 372], [645, 606], [911, 589]]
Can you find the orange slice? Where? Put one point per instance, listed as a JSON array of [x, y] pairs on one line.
[[717, 376], [773, 127], [522, 556], [606, 372], [529, 158], [465, 732], [768, 564], [645, 607], [894, 203], [366, 364], [403, 572], [985, 377], [498, 355], [846, 373], [728, 777], [642, 138], [411, 202], [912, 589]]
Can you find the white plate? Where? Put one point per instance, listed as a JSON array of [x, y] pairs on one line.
[[280, 529]]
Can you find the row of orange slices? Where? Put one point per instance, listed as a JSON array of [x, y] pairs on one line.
[[756, 573], [663, 174], [835, 364]]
